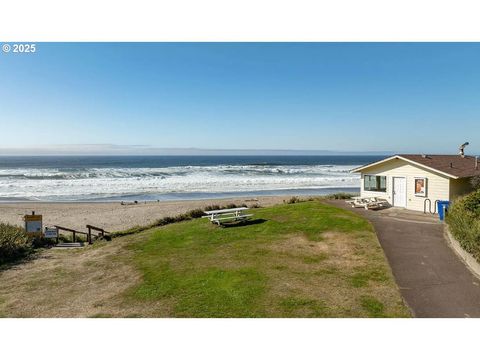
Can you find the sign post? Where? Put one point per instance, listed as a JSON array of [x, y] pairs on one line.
[[51, 233], [33, 224]]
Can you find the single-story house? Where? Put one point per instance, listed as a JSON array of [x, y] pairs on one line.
[[409, 180]]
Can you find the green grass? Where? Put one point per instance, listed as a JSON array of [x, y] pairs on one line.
[[292, 306], [303, 259], [373, 306]]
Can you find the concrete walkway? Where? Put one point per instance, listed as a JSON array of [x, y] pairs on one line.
[[433, 281]]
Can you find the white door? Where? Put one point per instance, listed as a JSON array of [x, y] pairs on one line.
[[399, 192]]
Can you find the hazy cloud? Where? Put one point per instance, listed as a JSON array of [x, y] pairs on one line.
[[113, 149]]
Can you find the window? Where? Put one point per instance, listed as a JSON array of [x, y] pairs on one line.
[[375, 183]]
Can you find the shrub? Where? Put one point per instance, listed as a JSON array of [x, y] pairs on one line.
[[475, 182], [64, 238], [212, 207], [294, 200], [192, 214], [67, 238], [471, 203], [233, 205], [463, 218], [165, 221], [195, 213], [340, 196], [14, 243], [334, 196], [132, 230], [43, 242]]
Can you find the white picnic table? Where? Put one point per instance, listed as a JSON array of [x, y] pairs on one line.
[[227, 215], [368, 202]]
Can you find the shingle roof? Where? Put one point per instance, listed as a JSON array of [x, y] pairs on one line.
[[452, 165]]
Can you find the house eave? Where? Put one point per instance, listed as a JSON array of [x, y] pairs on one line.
[[361, 168]]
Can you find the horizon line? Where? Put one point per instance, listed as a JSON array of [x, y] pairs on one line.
[[144, 150]]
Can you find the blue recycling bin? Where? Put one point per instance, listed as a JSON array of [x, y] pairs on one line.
[[442, 206]]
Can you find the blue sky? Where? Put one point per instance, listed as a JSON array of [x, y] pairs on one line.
[[303, 96]]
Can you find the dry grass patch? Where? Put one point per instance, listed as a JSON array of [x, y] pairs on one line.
[[324, 287], [69, 283]]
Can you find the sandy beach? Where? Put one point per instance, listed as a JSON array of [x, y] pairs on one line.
[[114, 216]]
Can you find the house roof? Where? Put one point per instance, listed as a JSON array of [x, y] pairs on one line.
[[453, 166]]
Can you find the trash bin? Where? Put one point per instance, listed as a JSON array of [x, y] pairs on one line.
[[442, 206]]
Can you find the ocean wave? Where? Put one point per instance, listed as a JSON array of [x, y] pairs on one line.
[[47, 174], [83, 183]]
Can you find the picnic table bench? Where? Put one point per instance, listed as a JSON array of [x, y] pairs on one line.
[[227, 215], [368, 203]]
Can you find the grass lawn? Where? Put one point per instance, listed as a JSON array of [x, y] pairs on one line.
[[298, 260]]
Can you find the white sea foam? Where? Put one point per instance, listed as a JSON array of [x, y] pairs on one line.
[[98, 183]]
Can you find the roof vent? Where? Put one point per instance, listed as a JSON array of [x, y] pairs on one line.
[[462, 149], [451, 165]]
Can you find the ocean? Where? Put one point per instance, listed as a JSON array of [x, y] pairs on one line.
[[146, 178]]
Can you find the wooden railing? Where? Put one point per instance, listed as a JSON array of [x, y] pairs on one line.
[[73, 231], [95, 228], [88, 234]]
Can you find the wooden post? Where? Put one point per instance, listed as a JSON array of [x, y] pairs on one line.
[[89, 235], [74, 238], [99, 230]]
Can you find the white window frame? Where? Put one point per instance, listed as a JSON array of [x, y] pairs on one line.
[[376, 191]]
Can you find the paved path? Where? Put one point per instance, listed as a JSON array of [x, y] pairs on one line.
[[433, 281]]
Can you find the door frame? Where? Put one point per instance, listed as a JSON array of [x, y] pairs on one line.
[[393, 190]]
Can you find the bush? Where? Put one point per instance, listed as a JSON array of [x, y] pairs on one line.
[[67, 238], [334, 196], [471, 203], [232, 205], [166, 220], [14, 243], [63, 238], [130, 231], [463, 218], [196, 213], [212, 207], [340, 196], [294, 200], [475, 182], [192, 214], [44, 242]]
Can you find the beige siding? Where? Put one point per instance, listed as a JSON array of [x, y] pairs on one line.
[[438, 187], [459, 187]]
